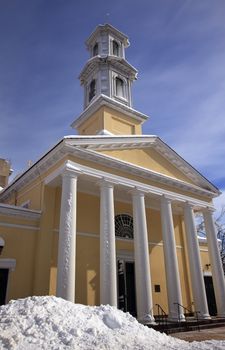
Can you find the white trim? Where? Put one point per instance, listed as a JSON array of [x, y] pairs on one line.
[[95, 235], [129, 184], [25, 204], [88, 235], [125, 255], [103, 100], [108, 28], [12, 210], [207, 273], [62, 149], [145, 141], [142, 172], [26, 227], [8, 264]]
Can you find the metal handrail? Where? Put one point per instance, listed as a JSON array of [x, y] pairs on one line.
[[161, 313], [193, 312]]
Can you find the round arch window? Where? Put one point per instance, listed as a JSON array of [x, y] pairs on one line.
[[124, 226]]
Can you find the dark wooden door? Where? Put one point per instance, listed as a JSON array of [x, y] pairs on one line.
[[130, 286], [3, 285], [210, 295], [126, 287]]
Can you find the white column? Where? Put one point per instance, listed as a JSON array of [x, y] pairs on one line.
[[197, 281], [171, 264], [67, 238], [108, 286], [142, 264], [216, 264]]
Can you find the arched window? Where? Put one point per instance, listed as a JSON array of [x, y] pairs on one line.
[[119, 87], [124, 226], [115, 48], [92, 89], [95, 50]]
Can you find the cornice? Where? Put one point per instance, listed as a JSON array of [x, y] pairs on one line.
[[12, 210], [146, 141], [85, 148], [107, 28], [140, 171], [129, 184], [112, 61], [104, 100]]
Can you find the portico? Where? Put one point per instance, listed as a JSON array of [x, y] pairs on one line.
[[105, 185], [115, 208]]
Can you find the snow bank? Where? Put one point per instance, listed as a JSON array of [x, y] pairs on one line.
[[38, 323]]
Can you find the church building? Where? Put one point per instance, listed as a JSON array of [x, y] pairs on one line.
[[107, 216]]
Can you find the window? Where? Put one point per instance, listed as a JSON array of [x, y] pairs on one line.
[[124, 226], [157, 288], [115, 48], [95, 50], [92, 88], [119, 87]]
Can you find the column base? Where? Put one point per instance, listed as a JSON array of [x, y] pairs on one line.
[[204, 317], [174, 318], [221, 315], [147, 319]]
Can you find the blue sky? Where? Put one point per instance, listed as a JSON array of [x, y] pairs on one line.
[[177, 46]]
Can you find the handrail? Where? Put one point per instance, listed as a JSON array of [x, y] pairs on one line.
[[161, 313], [193, 312]]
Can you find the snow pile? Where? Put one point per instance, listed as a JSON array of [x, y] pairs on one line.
[[38, 323]]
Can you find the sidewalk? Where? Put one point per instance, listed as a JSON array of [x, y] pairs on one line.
[[204, 334]]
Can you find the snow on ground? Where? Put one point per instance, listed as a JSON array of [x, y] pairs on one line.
[[39, 323]]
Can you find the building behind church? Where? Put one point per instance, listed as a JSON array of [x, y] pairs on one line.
[[107, 216]]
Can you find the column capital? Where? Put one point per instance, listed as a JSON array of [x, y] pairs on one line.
[[106, 183], [165, 198], [137, 192], [210, 210], [67, 172], [188, 204]]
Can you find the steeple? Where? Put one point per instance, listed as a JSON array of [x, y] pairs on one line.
[[107, 78]]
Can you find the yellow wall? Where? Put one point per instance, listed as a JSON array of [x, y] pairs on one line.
[[36, 251], [20, 239], [148, 159], [113, 121]]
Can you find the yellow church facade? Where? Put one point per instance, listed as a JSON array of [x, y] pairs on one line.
[[107, 216]]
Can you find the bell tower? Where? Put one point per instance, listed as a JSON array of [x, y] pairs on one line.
[[107, 78]]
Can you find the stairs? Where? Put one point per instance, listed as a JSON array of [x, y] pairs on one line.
[[191, 324]]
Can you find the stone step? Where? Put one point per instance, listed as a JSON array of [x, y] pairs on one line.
[[189, 325]]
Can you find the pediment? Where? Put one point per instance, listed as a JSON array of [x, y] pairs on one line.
[[147, 153], [150, 159]]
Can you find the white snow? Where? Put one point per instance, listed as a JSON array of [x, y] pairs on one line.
[[39, 323]]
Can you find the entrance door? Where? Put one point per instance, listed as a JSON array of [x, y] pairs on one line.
[[210, 295], [126, 287], [3, 285]]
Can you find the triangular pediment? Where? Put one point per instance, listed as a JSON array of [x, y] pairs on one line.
[[148, 158], [147, 153]]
